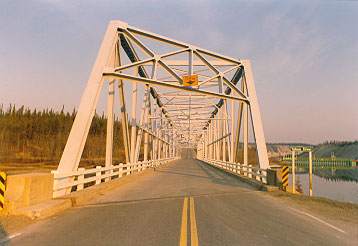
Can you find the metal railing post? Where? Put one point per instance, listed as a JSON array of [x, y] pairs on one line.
[[98, 174], [250, 170], [120, 173], [80, 178]]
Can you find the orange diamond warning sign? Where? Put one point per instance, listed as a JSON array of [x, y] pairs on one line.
[[190, 80]]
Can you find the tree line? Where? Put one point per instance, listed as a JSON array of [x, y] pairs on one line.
[[40, 136]]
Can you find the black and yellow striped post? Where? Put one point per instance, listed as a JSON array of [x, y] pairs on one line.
[[284, 177], [2, 189]]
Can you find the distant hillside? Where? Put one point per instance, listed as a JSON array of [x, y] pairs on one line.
[[280, 149], [346, 150]]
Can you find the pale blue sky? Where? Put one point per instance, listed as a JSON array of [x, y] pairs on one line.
[[304, 54]]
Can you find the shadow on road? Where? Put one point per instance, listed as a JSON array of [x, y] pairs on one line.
[[223, 178], [184, 174], [193, 168]]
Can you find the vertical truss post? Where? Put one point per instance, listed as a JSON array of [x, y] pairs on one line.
[[110, 122], [219, 134], [246, 131], [146, 120], [110, 116], [155, 139], [227, 131], [238, 126], [162, 134], [173, 146], [159, 150], [163, 143], [202, 149], [214, 138], [150, 143], [210, 140], [167, 145], [173, 143], [124, 120], [141, 125], [216, 132], [206, 143], [146, 125], [232, 131], [223, 124], [134, 119], [165, 138], [246, 124], [170, 142]]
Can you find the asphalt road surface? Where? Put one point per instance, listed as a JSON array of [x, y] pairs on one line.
[[185, 203]]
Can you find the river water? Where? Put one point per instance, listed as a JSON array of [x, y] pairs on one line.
[[344, 191]]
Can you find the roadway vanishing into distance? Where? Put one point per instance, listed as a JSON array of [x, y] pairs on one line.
[[184, 203]]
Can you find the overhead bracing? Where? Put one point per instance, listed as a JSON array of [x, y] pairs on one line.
[[172, 116]]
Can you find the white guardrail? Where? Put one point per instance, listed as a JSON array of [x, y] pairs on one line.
[[83, 178], [247, 170]]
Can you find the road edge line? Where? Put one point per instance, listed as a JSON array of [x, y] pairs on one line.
[[319, 220]]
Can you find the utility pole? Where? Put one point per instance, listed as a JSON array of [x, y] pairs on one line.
[[310, 171], [189, 118], [293, 172]]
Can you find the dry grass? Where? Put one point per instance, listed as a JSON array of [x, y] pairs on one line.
[[347, 212]]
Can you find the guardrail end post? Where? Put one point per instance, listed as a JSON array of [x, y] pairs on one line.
[[55, 182]]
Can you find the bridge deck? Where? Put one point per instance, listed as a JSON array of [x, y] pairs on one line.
[[149, 211]]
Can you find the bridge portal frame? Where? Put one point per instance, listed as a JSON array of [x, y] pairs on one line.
[[161, 135]]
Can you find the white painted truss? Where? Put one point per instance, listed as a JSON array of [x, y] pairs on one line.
[[206, 117]]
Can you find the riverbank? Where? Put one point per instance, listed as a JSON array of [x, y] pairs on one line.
[[350, 174]]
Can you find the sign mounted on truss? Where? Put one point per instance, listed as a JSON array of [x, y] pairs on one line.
[[173, 115], [190, 80]]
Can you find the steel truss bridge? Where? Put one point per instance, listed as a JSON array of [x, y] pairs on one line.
[[207, 117], [190, 201]]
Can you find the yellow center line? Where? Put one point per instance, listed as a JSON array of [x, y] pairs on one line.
[[184, 222], [194, 232]]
